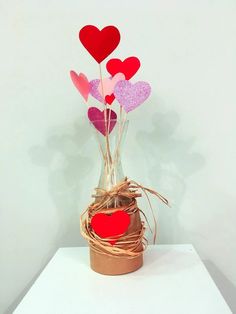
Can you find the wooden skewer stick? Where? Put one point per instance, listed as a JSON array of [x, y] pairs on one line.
[[108, 159]]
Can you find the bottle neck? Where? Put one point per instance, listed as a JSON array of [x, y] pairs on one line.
[[110, 146], [111, 173]]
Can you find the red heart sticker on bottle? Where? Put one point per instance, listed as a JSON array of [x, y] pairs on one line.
[[110, 226]]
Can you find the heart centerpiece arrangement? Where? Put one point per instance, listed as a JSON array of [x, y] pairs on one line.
[[115, 89]]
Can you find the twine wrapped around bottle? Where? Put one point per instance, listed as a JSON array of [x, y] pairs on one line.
[[133, 242]]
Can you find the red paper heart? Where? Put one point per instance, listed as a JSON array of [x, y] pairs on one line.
[[99, 43], [109, 99], [97, 118], [128, 67], [110, 226]]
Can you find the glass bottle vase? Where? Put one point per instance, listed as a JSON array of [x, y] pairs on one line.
[[110, 146]]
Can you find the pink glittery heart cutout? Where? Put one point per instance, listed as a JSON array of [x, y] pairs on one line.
[[93, 89], [129, 95]]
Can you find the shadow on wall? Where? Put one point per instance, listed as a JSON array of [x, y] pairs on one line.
[[225, 286], [170, 161], [65, 155], [65, 158]]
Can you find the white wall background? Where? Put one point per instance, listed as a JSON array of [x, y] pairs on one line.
[[181, 142]]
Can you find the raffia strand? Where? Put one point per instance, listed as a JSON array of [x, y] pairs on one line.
[[129, 245]]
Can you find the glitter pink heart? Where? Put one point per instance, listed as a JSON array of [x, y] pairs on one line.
[[129, 95], [93, 89]]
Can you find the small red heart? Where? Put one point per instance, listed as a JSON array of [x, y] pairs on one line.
[[109, 99], [114, 225], [128, 67], [99, 43]]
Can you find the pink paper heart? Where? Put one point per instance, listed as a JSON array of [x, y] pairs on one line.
[[81, 83], [106, 87], [93, 89], [97, 118], [129, 95]]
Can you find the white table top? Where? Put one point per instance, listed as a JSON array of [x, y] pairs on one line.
[[172, 280]]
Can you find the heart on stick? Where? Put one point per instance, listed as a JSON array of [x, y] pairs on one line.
[[130, 96], [109, 99], [103, 124], [128, 67], [99, 43], [81, 83], [106, 85], [110, 226], [93, 89]]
